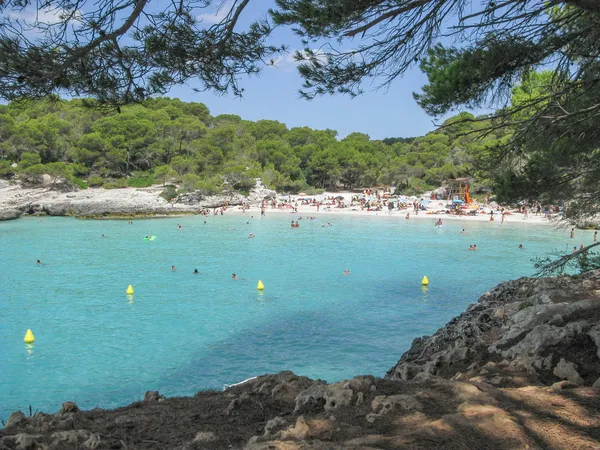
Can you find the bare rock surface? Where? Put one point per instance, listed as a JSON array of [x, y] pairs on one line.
[[518, 370], [16, 201], [523, 332]]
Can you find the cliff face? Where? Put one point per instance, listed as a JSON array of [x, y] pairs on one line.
[[516, 370]]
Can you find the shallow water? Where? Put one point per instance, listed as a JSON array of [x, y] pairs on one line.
[[181, 333]]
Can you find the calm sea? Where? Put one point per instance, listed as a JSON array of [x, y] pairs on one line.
[[181, 332]]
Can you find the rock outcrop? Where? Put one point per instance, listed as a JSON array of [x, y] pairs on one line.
[[519, 369], [16, 201], [523, 332]]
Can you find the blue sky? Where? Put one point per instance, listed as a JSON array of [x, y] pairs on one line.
[[274, 95]]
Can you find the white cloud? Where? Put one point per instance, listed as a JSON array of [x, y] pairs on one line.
[[218, 15], [33, 16]]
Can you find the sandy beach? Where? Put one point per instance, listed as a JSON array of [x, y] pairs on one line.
[[436, 210], [16, 201]]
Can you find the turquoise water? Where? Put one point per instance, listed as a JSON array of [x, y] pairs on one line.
[[181, 333]]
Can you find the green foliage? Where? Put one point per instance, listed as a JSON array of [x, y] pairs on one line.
[[141, 181], [95, 181], [118, 183], [169, 192], [29, 159], [209, 186], [79, 183], [6, 169], [166, 141]]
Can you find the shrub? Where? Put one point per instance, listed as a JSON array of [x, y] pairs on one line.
[[95, 181], [119, 183], [169, 192], [208, 187], [79, 169], [141, 181], [6, 169], [79, 182], [189, 182]]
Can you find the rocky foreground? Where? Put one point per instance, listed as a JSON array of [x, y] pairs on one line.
[[520, 369], [97, 203]]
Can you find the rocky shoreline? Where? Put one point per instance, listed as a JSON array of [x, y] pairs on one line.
[[128, 203], [519, 369]]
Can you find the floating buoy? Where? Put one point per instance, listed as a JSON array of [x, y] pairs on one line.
[[29, 337], [260, 286], [425, 281], [129, 290]]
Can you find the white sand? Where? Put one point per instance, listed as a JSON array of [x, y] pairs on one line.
[[431, 214]]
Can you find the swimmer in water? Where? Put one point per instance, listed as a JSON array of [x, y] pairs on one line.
[[521, 246], [463, 231], [346, 272], [172, 267], [251, 236], [234, 276], [102, 235], [196, 272], [38, 262]]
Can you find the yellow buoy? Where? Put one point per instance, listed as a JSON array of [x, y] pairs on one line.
[[260, 286], [129, 290], [425, 281], [29, 337]]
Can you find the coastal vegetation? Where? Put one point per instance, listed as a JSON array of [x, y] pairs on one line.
[[169, 141]]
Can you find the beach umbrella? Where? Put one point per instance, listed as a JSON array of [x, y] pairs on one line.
[[340, 197], [302, 193]]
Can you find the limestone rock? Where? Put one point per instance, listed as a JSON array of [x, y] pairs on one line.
[[16, 419], [594, 333], [567, 370], [152, 396], [305, 429], [325, 397], [69, 407], [206, 436], [530, 323], [383, 405], [260, 192]]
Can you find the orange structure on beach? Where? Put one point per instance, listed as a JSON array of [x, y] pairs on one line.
[[458, 189]]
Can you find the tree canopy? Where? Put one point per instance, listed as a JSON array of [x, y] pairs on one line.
[[165, 140]]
